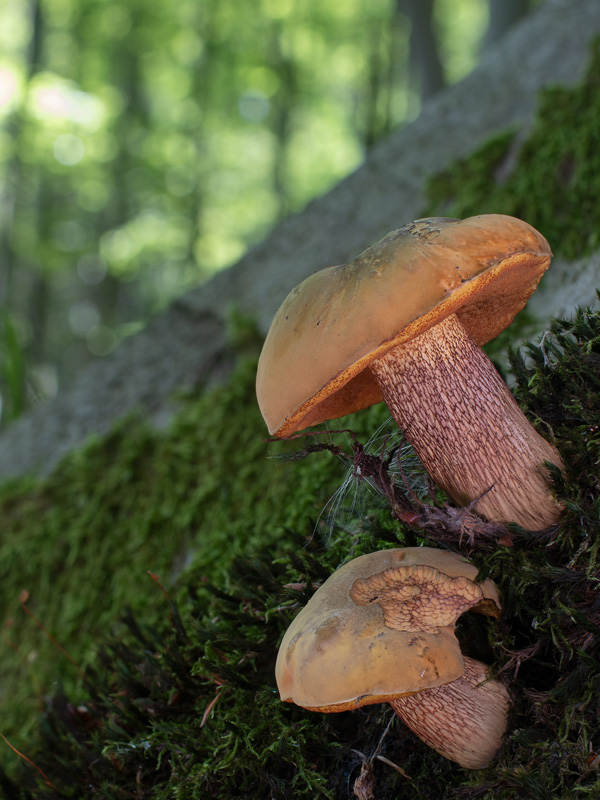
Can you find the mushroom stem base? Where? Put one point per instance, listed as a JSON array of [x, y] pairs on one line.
[[466, 427], [463, 721]]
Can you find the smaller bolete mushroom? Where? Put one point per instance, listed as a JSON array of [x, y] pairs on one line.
[[404, 322], [381, 629]]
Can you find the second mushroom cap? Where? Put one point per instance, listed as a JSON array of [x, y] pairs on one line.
[[340, 652]]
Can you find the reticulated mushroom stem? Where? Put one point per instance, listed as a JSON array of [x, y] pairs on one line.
[[463, 720], [466, 427]]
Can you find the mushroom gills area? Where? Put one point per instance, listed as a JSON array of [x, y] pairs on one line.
[[466, 426], [463, 721]]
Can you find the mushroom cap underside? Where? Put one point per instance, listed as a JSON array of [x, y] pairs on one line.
[[314, 363], [340, 654]]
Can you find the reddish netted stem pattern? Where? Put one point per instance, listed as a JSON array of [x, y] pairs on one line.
[[466, 426], [463, 720]]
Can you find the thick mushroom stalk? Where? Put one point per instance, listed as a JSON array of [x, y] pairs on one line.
[[463, 721], [466, 427]]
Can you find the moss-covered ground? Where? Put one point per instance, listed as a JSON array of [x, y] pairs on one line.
[[172, 694], [81, 542], [180, 700]]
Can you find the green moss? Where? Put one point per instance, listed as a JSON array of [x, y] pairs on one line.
[[551, 178], [82, 541], [181, 702]]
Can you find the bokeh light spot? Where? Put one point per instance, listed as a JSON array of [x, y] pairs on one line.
[[83, 317], [68, 149]]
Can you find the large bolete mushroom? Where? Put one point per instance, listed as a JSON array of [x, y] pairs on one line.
[[404, 322], [381, 629]]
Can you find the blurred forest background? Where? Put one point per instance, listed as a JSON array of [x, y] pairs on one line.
[[145, 145]]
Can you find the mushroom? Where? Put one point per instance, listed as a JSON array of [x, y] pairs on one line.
[[404, 322], [381, 629]]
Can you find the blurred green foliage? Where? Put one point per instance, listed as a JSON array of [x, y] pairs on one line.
[[144, 145], [12, 370]]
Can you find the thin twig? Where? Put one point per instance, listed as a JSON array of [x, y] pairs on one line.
[[47, 780]]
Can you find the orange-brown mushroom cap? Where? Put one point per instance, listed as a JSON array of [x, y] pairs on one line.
[[314, 363], [339, 653]]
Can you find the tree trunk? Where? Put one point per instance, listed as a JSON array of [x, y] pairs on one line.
[[424, 53], [503, 14]]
